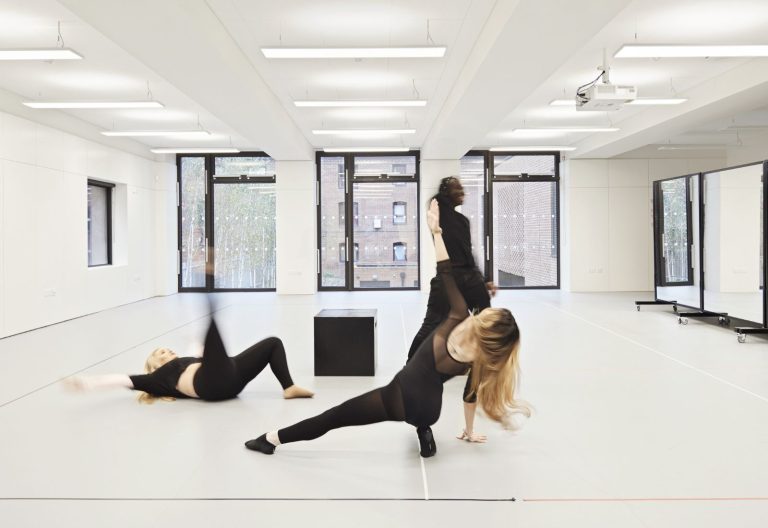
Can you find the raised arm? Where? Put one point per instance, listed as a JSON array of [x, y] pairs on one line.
[[456, 300]]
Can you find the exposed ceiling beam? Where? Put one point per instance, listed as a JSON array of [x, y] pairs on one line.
[[184, 42], [521, 46]]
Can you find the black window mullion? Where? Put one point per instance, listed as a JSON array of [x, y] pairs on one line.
[[209, 223]]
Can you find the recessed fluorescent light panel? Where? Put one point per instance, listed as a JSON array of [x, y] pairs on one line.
[[93, 105], [361, 104], [366, 149], [567, 129], [637, 102], [363, 132], [635, 51], [354, 53], [657, 102], [693, 147], [39, 54], [534, 148], [157, 133], [194, 150]]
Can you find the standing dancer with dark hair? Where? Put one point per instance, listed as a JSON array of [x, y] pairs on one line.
[[488, 342]]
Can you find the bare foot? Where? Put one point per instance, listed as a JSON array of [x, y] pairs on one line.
[[294, 391]]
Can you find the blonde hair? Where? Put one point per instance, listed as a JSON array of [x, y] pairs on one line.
[[151, 365], [496, 370]]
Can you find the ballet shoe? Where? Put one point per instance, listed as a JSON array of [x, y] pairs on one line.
[[427, 445], [261, 444]]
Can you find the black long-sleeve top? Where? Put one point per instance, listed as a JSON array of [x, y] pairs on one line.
[[163, 381], [456, 235]]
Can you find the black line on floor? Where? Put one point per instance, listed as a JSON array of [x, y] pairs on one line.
[[249, 499]]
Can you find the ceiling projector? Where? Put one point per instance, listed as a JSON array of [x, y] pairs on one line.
[[604, 97]]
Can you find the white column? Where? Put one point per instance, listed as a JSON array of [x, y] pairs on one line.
[[296, 228], [432, 171]]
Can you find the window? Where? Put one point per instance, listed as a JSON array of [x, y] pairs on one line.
[[399, 252], [524, 223], [398, 213], [99, 223], [341, 176], [356, 217], [227, 214]]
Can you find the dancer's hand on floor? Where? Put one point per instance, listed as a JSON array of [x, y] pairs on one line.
[[472, 437]]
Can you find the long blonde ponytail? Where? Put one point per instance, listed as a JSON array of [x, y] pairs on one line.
[[496, 370]]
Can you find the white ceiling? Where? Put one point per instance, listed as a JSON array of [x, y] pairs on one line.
[[505, 60]]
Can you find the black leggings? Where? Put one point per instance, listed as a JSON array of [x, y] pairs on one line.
[[221, 377], [379, 405], [472, 287]]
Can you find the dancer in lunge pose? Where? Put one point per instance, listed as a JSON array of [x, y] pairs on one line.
[[488, 342], [212, 377], [469, 280]]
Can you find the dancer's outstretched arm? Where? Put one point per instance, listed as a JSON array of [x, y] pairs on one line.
[[108, 381]]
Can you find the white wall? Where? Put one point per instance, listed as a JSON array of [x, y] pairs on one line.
[[296, 227], [432, 171], [44, 275], [607, 223]]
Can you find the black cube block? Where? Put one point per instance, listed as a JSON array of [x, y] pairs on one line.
[[345, 343]]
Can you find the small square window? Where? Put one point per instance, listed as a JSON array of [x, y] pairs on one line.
[[399, 252], [399, 213]]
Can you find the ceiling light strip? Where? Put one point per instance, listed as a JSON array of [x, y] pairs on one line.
[[91, 105], [658, 51], [195, 150], [532, 148], [359, 104], [366, 149], [40, 54], [647, 101], [156, 133], [355, 53], [568, 129], [364, 132]]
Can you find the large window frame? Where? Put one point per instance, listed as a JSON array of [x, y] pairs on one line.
[[108, 188], [658, 228], [490, 177], [351, 213], [211, 180]]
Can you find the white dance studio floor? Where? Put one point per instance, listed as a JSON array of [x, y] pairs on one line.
[[639, 422]]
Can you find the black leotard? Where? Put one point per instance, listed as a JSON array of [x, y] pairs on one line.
[[415, 395], [421, 380], [220, 377]]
